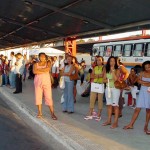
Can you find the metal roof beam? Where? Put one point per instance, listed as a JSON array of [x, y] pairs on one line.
[[28, 26], [122, 27], [74, 15]]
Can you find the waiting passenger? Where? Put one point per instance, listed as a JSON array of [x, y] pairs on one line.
[[132, 83], [112, 94], [68, 104], [42, 84], [143, 99], [97, 76]]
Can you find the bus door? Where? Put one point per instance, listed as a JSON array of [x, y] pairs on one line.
[[138, 50], [127, 51], [117, 51]]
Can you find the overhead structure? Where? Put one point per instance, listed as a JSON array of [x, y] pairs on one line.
[[24, 22]]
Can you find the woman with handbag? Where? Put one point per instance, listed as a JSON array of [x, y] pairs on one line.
[[143, 100], [112, 94], [121, 83], [97, 76], [68, 104]]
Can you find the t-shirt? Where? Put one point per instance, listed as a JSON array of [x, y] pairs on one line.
[[55, 67], [98, 70], [62, 65], [12, 63]]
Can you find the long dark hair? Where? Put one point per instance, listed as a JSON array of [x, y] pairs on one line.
[[101, 58], [108, 64], [144, 64]]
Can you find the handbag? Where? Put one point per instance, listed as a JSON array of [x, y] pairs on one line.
[[97, 88], [62, 82], [74, 76], [120, 85], [109, 90]]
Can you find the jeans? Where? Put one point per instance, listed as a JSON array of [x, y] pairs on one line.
[[12, 79], [68, 104], [4, 79]]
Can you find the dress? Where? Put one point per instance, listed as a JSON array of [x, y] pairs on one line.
[[143, 100], [42, 85]]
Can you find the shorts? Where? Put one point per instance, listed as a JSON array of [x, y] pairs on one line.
[[114, 99]]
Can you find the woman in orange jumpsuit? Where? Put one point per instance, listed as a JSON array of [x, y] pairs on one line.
[[42, 85]]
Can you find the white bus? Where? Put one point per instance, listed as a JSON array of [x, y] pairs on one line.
[[131, 52]]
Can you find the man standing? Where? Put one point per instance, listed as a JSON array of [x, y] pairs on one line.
[[19, 69], [12, 76], [55, 72]]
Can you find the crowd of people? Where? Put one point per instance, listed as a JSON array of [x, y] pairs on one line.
[[111, 79]]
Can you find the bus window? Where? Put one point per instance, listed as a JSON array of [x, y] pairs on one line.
[[101, 50], [117, 51], [108, 51], [127, 50], [148, 50], [138, 51], [95, 51]]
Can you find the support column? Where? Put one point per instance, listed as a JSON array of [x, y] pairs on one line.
[[70, 46], [143, 32]]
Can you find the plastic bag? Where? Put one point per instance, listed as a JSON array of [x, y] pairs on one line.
[[62, 82], [81, 88], [62, 99]]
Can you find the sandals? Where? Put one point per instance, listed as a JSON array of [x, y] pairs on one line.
[[98, 118], [114, 126], [127, 127], [39, 116], [106, 123], [54, 117], [148, 132]]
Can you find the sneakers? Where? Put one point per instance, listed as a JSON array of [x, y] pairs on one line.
[[98, 118], [88, 118], [91, 117]]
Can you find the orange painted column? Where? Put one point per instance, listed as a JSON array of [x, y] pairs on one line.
[[70, 46]]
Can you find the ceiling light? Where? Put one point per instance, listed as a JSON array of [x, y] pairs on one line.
[[85, 21], [28, 2]]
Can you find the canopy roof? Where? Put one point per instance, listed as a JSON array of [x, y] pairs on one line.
[[31, 21]]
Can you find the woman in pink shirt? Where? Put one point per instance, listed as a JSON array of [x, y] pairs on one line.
[[42, 85]]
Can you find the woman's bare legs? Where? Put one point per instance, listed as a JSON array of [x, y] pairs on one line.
[[147, 120], [74, 93], [51, 108], [134, 117], [115, 124], [109, 111], [39, 111]]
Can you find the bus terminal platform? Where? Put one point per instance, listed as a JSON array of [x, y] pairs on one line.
[[72, 130]]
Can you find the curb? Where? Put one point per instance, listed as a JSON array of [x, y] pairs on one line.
[[43, 123], [64, 134]]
